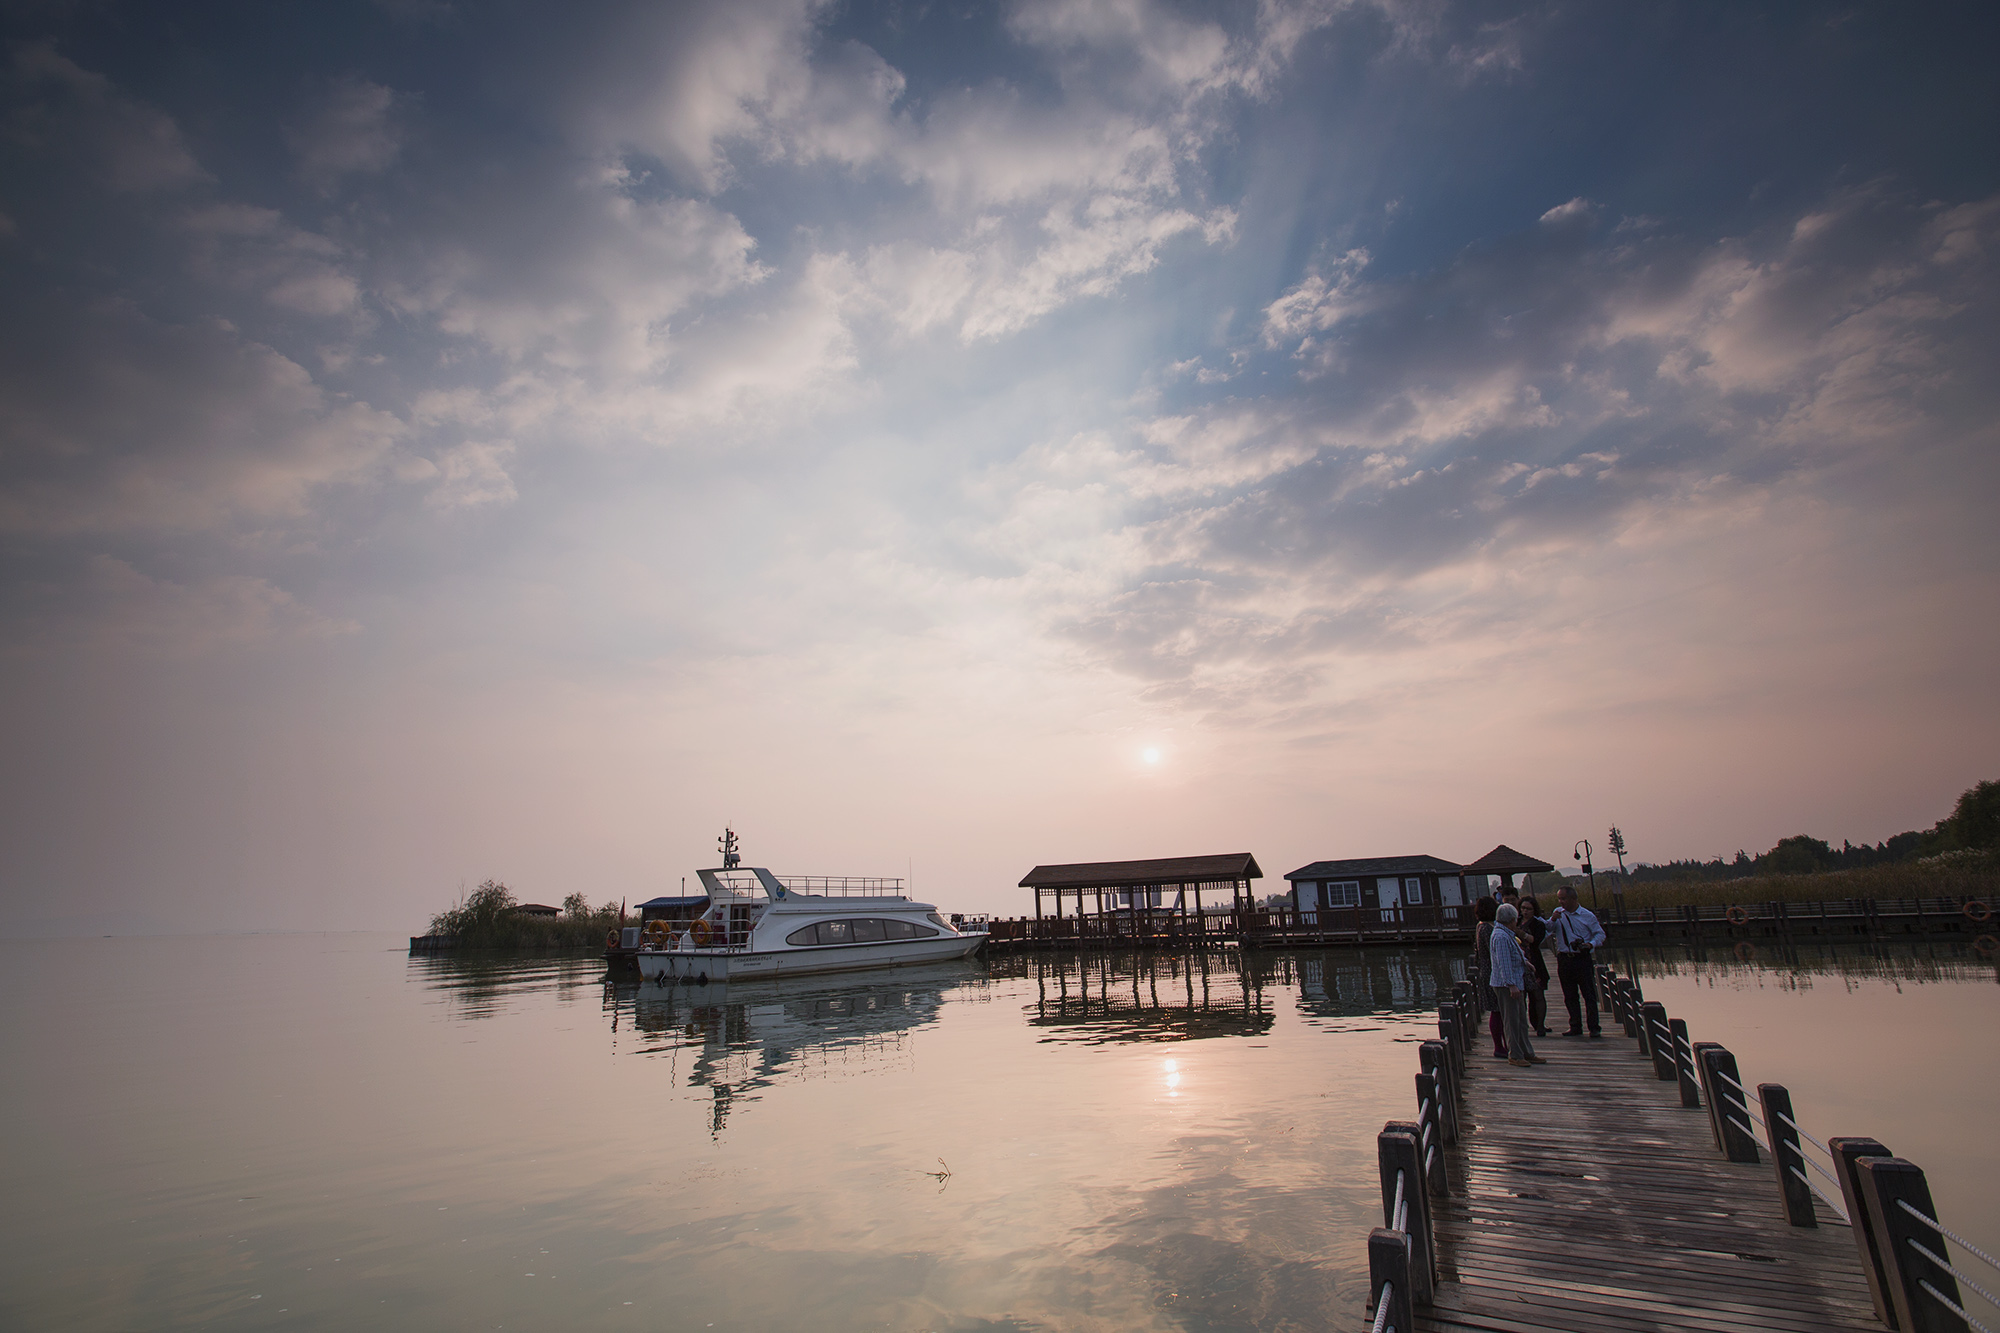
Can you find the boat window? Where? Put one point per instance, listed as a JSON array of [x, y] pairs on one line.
[[867, 930], [899, 930], [934, 917], [836, 932], [804, 935], [922, 932]]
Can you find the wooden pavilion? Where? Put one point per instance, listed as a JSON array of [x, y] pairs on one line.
[[1144, 886], [1505, 862]]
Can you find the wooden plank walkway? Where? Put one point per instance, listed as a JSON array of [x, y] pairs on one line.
[[1585, 1197]]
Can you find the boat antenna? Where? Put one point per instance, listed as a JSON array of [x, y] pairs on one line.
[[731, 858]]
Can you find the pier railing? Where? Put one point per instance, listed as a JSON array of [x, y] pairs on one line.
[[1903, 1248], [1966, 918]]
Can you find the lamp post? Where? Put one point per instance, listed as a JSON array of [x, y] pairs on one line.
[[1583, 855]]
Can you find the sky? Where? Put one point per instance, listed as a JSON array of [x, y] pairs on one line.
[[447, 441]]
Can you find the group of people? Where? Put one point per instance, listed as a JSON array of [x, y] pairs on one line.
[[1512, 975]]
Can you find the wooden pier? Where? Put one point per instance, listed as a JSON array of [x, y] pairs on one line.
[[1610, 1190], [1755, 924], [1589, 1198]]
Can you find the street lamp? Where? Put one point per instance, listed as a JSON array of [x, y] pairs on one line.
[[1583, 855]]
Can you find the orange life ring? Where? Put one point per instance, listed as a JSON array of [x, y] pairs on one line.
[[700, 930], [1984, 913], [1986, 946], [1736, 916], [1745, 951], [611, 939]]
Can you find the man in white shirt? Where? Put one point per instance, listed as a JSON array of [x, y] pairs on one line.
[[1575, 931]]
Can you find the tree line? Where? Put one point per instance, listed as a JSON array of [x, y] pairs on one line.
[[1972, 826]]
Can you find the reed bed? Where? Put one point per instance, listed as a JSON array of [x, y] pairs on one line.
[[1975, 875]]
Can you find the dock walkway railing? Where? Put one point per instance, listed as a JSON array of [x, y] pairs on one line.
[[1904, 1250]]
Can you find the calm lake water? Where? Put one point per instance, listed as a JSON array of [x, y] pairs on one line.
[[318, 1132]]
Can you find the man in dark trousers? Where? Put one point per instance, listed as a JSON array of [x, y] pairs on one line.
[[1575, 930]]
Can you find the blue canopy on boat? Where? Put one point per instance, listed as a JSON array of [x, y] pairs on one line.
[[695, 901]]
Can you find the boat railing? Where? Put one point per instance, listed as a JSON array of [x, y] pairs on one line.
[[843, 886]]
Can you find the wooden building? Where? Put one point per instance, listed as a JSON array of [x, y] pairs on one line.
[[1378, 881], [1172, 884]]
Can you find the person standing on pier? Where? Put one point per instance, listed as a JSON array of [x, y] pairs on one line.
[[1533, 929], [1577, 933], [1482, 972], [1510, 983]]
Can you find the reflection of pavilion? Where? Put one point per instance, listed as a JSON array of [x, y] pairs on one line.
[[1145, 997], [743, 1037]]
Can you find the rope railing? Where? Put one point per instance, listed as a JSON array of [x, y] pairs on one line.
[[1381, 1324], [1952, 1305], [1402, 1210], [1947, 1266], [1819, 1193], [1949, 1235]]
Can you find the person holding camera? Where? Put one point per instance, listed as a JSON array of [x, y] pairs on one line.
[[1576, 932]]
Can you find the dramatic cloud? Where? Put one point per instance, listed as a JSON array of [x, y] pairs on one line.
[[1427, 424]]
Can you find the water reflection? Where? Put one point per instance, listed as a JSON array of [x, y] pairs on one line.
[[1797, 964], [1125, 997], [486, 985], [737, 1039]]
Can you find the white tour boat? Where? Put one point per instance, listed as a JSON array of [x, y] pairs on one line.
[[758, 925]]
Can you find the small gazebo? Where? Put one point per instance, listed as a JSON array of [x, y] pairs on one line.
[[1505, 862]]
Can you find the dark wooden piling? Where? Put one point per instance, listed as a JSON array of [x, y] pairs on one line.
[[1912, 1253], [1788, 1154], [1684, 1070]]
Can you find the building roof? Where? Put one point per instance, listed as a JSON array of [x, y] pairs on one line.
[[1162, 870], [535, 909], [1503, 859], [1375, 865], [674, 902]]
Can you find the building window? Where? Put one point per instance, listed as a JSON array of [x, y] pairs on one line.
[[1345, 893]]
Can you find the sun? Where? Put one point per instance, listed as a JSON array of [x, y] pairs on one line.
[[1152, 756]]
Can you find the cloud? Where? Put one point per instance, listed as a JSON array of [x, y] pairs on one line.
[[353, 131], [119, 423], [65, 111], [113, 608], [1465, 428]]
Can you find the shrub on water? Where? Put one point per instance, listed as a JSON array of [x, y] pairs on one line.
[[486, 919]]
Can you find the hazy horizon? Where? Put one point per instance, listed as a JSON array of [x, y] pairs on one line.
[[441, 443]]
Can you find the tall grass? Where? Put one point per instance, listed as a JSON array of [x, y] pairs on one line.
[[484, 919], [1961, 874]]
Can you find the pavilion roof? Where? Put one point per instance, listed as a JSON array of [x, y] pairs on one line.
[[1160, 870], [1357, 867], [1503, 859]]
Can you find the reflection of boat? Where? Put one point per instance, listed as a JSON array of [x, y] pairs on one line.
[[746, 1035], [757, 924]]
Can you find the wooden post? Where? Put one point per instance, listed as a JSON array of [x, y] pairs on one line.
[[1628, 1008], [1690, 1089], [1454, 1048], [1435, 1060], [1886, 1182], [1793, 1187], [1430, 1115], [1389, 1271], [1659, 1041], [1728, 1109], [1847, 1154], [1397, 1152]]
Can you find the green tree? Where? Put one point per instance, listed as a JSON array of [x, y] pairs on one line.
[[576, 905], [1975, 821]]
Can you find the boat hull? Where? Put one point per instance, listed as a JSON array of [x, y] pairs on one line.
[[739, 964]]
